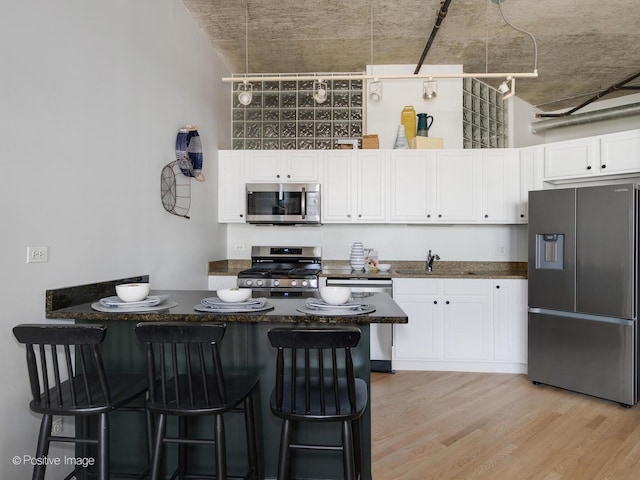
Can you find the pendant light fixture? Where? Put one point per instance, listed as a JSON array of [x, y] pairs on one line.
[[375, 87], [245, 89], [429, 89], [320, 91]]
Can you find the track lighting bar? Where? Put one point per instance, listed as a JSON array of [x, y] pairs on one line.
[[357, 76]]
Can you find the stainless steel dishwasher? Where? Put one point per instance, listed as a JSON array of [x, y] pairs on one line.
[[381, 333]]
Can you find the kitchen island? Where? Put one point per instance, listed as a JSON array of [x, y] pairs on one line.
[[245, 348]]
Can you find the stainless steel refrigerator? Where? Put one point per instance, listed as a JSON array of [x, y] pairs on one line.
[[583, 291]]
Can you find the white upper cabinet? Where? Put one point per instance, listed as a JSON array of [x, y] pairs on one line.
[[412, 186], [457, 179], [355, 186], [231, 186], [620, 152], [337, 190], [593, 157], [282, 166], [531, 172], [500, 186], [573, 158]]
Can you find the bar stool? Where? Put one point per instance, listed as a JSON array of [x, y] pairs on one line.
[[186, 379], [315, 382], [67, 378]]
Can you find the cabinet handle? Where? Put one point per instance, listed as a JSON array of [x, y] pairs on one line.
[[278, 176], [428, 215], [486, 216], [359, 215], [497, 286], [439, 216], [435, 302], [288, 176], [348, 215], [522, 215], [241, 215], [447, 302], [604, 166], [588, 167]]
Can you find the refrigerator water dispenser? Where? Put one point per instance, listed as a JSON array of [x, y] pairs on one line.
[[550, 251]]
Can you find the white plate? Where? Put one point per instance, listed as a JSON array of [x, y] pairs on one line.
[[165, 305], [150, 301], [316, 304], [204, 308], [336, 312], [216, 302]]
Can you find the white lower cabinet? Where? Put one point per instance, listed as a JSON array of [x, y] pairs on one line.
[[461, 325]]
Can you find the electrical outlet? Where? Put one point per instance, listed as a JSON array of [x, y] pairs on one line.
[[239, 247], [500, 251], [37, 254], [56, 426]]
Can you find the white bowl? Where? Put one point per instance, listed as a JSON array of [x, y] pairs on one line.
[[335, 295], [234, 295], [383, 267], [132, 292]]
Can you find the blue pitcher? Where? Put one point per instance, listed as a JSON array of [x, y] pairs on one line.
[[424, 124]]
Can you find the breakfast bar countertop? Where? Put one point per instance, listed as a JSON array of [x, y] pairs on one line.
[[74, 303]]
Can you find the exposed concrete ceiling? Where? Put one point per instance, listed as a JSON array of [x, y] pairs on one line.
[[584, 46]]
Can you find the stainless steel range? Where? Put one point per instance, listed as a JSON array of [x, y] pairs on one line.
[[283, 269]]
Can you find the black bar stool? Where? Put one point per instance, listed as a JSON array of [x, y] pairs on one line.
[[186, 379], [67, 378], [315, 382]]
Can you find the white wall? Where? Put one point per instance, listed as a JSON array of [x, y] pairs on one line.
[[393, 242], [91, 97], [383, 117]]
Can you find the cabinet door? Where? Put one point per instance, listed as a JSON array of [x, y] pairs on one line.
[[574, 158], [510, 321], [421, 338], [231, 186], [457, 177], [531, 165], [410, 191], [500, 186], [371, 190], [620, 152], [263, 166], [468, 322], [337, 188], [300, 166]]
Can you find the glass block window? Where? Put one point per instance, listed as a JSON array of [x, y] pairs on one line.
[[485, 116], [283, 115]]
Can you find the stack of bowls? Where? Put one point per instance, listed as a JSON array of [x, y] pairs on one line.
[[357, 256]]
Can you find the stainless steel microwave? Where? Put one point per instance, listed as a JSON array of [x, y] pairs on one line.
[[283, 203]]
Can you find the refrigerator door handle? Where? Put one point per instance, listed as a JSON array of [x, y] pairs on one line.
[[582, 316]]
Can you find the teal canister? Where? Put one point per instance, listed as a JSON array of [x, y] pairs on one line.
[[424, 124]]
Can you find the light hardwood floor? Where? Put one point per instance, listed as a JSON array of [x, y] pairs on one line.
[[463, 426]]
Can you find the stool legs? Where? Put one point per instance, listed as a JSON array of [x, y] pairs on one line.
[[103, 446], [347, 451], [284, 462], [43, 446], [250, 427], [156, 454]]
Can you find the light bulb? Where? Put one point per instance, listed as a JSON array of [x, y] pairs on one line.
[[245, 93], [429, 89], [375, 91]]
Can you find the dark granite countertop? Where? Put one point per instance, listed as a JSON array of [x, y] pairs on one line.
[[400, 269], [75, 303]]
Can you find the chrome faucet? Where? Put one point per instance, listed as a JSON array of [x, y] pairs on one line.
[[430, 259]]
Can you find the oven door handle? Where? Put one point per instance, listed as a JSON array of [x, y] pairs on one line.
[[303, 203]]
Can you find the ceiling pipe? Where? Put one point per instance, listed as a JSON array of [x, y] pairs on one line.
[[444, 7], [586, 118], [613, 88]]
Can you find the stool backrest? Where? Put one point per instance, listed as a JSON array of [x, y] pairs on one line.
[[314, 370], [60, 352], [183, 364]]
